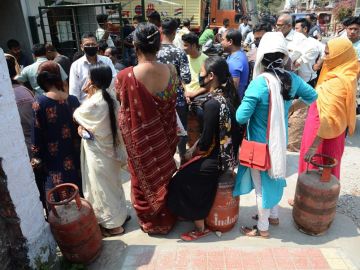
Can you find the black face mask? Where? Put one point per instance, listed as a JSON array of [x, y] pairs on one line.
[[202, 81], [90, 51], [256, 43]]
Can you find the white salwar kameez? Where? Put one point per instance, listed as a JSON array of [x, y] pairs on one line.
[[104, 168]]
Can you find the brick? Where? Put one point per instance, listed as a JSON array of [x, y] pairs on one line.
[[267, 263], [250, 262], [280, 252], [233, 262], [318, 263], [301, 263]]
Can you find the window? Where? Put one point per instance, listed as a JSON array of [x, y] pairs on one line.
[[226, 4]]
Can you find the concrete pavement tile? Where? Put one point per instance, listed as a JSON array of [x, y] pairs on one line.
[[301, 263], [330, 253], [284, 263], [267, 263], [280, 252], [337, 264], [318, 263]]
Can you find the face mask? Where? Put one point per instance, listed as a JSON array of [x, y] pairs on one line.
[[202, 81], [256, 43], [90, 51]]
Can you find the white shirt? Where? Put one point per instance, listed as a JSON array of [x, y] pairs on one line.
[[294, 44], [100, 33], [222, 30], [244, 28], [79, 74], [249, 39], [178, 37], [312, 49]]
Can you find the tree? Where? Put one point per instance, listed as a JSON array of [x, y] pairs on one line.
[[343, 9]]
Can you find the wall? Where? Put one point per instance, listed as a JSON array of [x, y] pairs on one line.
[[13, 25], [21, 182]]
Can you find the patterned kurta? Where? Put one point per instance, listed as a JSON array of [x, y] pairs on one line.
[[55, 140]]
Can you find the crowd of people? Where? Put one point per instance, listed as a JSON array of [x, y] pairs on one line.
[[98, 120]]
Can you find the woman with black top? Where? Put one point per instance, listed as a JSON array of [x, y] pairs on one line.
[[192, 190]]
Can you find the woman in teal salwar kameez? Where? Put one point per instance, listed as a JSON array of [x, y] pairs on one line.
[[272, 53]]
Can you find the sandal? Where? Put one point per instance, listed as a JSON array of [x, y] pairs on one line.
[[254, 232], [194, 235], [272, 221]]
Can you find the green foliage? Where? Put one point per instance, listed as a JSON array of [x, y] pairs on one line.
[[344, 9], [66, 265]]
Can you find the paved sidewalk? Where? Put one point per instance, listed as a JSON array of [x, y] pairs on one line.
[[287, 248]]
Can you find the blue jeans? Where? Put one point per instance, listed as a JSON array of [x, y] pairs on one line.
[[182, 112]]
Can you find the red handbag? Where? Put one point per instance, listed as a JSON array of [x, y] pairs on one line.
[[256, 155]]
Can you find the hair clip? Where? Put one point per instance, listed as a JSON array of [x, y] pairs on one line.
[[153, 34]]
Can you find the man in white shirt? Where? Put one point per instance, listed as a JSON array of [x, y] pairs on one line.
[[184, 30], [244, 27], [312, 50], [102, 32], [293, 39], [79, 71]]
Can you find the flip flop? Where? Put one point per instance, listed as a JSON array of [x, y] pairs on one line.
[[253, 232], [272, 221], [194, 235]]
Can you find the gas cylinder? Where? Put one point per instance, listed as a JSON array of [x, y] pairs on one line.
[[73, 224], [224, 212], [316, 196]]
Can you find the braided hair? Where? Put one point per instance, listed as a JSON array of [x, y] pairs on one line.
[[101, 77]]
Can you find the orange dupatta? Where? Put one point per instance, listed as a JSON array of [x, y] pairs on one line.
[[336, 89]]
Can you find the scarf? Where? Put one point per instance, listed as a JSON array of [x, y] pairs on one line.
[[277, 132], [336, 89]]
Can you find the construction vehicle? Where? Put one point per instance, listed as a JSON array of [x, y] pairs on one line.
[[182, 9]]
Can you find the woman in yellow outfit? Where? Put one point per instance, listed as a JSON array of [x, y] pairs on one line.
[[333, 116]]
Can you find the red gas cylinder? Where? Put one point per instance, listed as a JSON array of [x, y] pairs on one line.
[[225, 210], [73, 224], [316, 196]]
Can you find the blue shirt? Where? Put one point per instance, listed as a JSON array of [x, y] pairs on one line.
[[239, 68]]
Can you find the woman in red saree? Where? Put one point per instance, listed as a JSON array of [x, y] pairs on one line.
[[333, 114], [147, 120]]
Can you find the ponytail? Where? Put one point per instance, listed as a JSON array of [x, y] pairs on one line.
[[109, 100]]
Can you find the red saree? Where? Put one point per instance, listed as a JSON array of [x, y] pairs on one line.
[[148, 126]]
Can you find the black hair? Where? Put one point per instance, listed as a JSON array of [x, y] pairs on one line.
[[114, 51], [264, 26], [103, 45], [191, 38], [304, 23], [186, 22], [154, 15], [235, 36], [351, 20], [312, 17], [101, 76], [138, 18], [126, 21], [49, 75], [39, 50], [178, 21], [101, 18], [225, 21], [11, 64], [147, 38], [13, 43], [284, 77], [220, 68], [169, 26], [88, 35], [78, 55]]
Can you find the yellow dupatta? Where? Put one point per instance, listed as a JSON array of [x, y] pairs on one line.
[[336, 89]]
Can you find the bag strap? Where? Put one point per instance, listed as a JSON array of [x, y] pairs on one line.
[[269, 114]]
